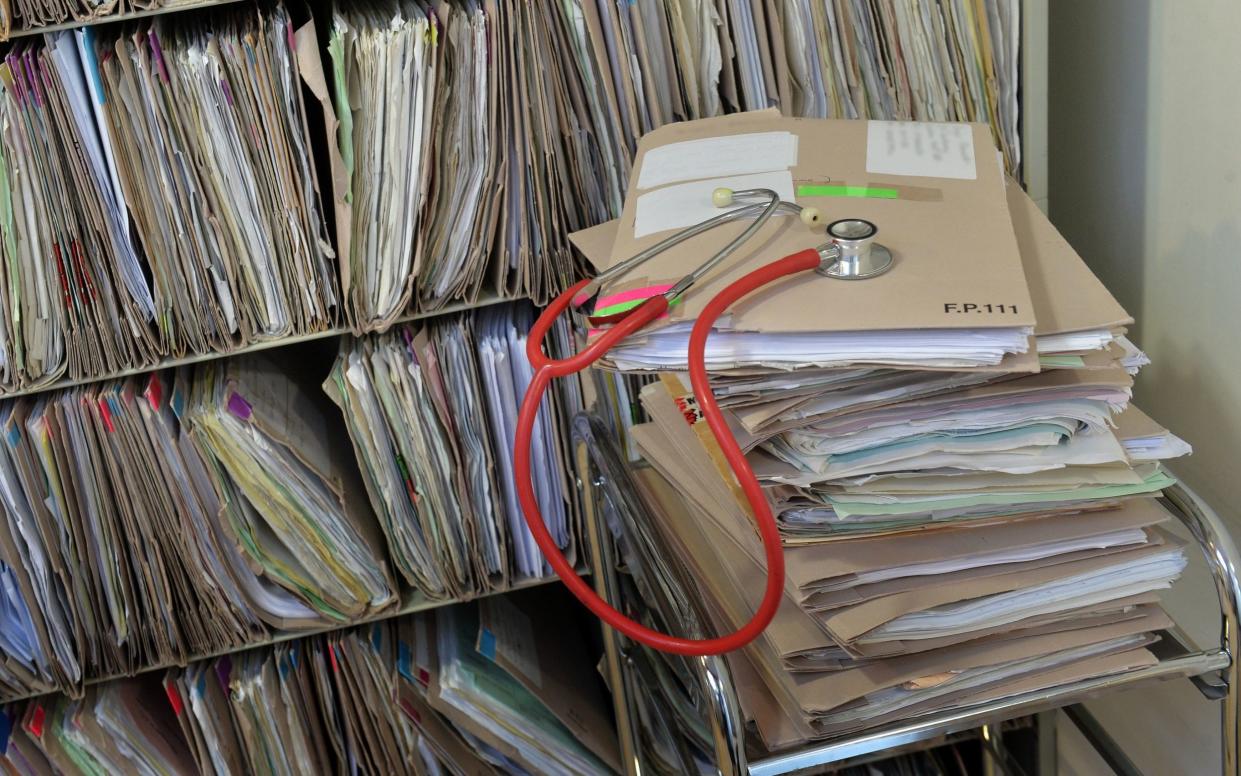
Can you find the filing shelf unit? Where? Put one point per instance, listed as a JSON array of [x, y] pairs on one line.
[[611, 498]]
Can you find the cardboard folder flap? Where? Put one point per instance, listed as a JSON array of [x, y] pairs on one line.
[[1067, 296]]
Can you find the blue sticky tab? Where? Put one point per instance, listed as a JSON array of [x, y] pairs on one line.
[[293, 655], [15, 436], [6, 730], [92, 63], [404, 660], [487, 644], [200, 689], [377, 637], [284, 668]]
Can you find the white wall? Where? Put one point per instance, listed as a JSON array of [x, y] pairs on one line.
[[1144, 165]]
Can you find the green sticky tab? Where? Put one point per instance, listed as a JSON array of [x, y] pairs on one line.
[[623, 307], [866, 192], [1062, 361]]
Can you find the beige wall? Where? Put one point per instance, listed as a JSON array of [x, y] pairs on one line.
[[1145, 181]]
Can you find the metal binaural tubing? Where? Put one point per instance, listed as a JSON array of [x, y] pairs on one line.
[[761, 211], [768, 211]]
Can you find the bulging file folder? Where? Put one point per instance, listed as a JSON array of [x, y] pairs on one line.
[[291, 503]]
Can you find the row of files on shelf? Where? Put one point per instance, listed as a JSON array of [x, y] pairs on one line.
[[207, 181], [212, 181], [170, 515], [503, 685]]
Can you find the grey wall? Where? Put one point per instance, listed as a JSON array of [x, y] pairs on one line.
[[1144, 156]]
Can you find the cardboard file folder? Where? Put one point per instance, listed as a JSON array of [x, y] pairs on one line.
[[952, 237]]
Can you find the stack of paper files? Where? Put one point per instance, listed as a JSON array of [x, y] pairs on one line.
[[175, 514], [288, 486], [114, 556], [503, 686], [893, 59], [432, 413], [452, 167], [878, 629], [959, 524], [157, 197]]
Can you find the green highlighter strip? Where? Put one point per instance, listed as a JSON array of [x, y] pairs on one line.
[[865, 192]]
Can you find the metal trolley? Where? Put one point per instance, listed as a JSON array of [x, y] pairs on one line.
[[681, 715]]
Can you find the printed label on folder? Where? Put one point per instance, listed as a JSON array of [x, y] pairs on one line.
[[923, 148]]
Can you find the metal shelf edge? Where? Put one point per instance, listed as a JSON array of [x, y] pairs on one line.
[[415, 602], [123, 17], [254, 347]]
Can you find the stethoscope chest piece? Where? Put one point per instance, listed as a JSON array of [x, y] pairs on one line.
[[853, 253]]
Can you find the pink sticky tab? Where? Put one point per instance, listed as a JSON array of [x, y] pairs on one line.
[[106, 412], [633, 294], [239, 406]]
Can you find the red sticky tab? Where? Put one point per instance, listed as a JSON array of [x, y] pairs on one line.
[[155, 392], [174, 698], [424, 676], [331, 653], [107, 415], [36, 722], [688, 406]]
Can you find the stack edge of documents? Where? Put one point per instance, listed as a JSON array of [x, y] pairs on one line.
[[502, 686], [956, 529], [838, 59], [28, 15]]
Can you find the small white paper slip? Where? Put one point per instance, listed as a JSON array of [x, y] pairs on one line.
[[685, 204], [712, 157], [929, 149]]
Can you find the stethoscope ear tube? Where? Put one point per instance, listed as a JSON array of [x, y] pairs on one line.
[[547, 369]]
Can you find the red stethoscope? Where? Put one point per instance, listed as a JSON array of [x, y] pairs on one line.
[[848, 255]]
